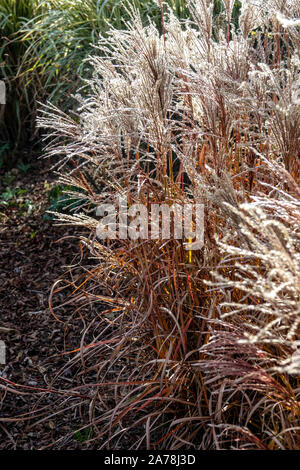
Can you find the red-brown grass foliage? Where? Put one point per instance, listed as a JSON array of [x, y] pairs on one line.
[[196, 349]]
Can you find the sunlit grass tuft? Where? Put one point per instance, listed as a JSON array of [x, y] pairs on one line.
[[195, 349]]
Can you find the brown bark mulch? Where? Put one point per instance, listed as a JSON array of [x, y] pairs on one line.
[[34, 253]]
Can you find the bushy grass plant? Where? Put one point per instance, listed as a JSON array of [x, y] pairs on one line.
[[197, 349]]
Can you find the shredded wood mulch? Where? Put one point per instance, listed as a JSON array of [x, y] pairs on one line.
[[34, 253]]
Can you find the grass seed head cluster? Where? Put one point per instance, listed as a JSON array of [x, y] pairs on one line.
[[197, 349]]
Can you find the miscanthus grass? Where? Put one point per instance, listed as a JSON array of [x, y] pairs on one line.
[[196, 349]]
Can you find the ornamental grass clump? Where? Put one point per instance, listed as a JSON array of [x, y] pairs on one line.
[[197, 348]]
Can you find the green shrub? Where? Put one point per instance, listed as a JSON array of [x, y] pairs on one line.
[[16, 123]]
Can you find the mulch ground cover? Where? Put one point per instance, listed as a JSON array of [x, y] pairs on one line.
[[34, 253]]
